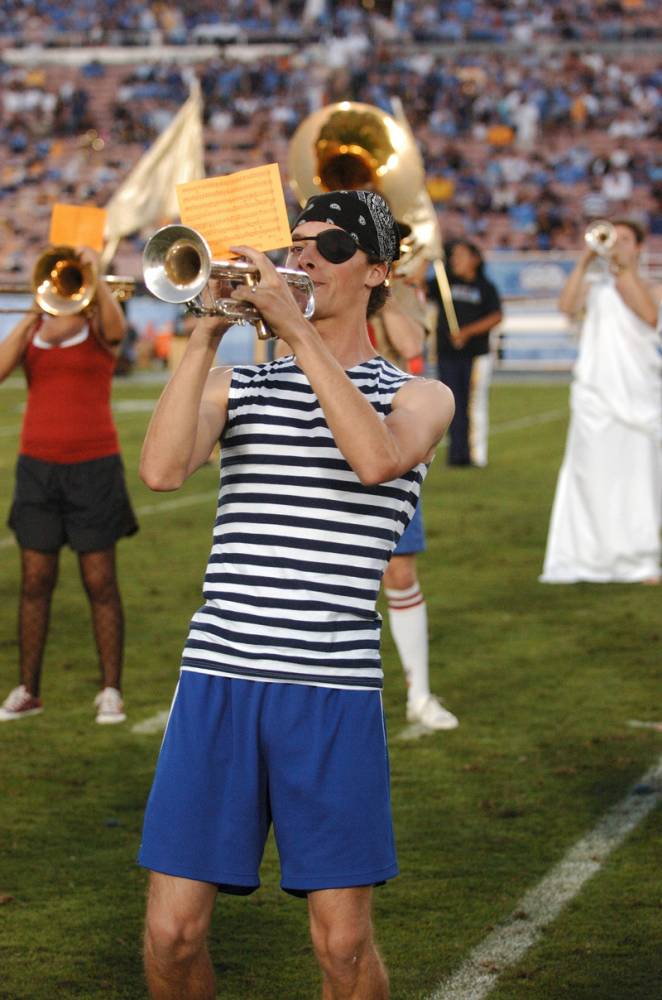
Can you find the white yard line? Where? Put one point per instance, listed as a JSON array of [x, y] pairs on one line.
[[636, 724], [165, 505], [154, 724], [414, 731], [529, 421], [506, 945]]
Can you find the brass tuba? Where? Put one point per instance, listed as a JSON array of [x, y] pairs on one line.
[[177, 266], [350, 145]]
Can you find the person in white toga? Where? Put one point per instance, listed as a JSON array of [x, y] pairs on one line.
[[605, 524]]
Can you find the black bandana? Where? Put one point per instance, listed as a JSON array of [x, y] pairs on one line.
[[363, 214]]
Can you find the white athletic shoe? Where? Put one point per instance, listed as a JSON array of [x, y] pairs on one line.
[[110, 707], [431, 713], [18, 704]]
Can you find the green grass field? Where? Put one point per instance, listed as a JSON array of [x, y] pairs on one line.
[[544, 680]]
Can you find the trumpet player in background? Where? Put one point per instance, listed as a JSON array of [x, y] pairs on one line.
[[69, 486], [278, 713], [605, 523]]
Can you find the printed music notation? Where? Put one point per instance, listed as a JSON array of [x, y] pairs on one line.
[[77, 225], [245, 208]]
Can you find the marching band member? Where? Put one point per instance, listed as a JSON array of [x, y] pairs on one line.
[[278, 713], [69, 486], [605, 523]]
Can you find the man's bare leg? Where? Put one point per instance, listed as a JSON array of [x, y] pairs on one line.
[[177, 963], [343, 939]]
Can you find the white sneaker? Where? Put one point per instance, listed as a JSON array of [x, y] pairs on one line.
[[110, 707], [18, 704], [431, 713]]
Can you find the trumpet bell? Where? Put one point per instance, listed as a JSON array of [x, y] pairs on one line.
[[176, 264], [601, 237], [61, 283]]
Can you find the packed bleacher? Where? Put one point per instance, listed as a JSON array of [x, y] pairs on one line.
[[125, 23], [532, 117]]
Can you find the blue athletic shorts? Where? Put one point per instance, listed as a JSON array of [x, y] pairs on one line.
[[240, 755], [413, 538]]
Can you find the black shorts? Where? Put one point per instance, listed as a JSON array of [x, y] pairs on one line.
[[83, 504]]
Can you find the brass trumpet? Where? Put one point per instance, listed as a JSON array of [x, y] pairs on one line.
[[177, 267], [63, 285], [600, 236]]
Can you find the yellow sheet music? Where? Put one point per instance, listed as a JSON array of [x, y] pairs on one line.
[[77, 225], [246, 208]]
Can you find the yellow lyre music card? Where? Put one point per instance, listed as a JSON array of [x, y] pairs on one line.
[[246, 208], [78, 225]]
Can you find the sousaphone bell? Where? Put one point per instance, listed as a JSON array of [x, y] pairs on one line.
[[348, 146]]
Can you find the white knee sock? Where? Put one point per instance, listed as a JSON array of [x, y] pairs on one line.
[[408, 619]]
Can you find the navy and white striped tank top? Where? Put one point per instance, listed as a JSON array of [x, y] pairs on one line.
[[299, 544]]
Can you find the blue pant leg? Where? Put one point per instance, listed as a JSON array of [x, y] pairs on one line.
[[456, 374]]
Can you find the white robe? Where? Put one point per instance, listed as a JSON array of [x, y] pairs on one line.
[[605, 524]]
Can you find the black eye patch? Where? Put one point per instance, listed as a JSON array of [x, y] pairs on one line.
[[335, 245]]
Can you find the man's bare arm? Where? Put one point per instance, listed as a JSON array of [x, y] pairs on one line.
[[190, 415], [377, 450]]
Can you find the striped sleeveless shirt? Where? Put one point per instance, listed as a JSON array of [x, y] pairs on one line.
[[299, 544]]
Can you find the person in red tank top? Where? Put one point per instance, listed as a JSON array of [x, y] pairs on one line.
[[69, 487]]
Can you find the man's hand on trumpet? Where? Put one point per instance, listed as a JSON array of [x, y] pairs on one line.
[[273, 299], [211, 327]]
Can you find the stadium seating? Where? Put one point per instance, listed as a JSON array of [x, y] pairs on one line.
[[528, 126]]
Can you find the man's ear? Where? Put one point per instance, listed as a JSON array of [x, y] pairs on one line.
[[377, 274]]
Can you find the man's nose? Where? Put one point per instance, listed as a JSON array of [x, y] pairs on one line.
[[308, 255]]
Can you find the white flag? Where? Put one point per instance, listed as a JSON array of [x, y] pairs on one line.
[[148, 196]]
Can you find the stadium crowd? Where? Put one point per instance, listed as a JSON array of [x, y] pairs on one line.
[[523, 142], [84, 22]]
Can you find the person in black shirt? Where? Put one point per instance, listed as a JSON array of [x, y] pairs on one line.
[[464, 360]]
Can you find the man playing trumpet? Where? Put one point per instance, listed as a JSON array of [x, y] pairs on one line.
[[70, 485], [605, 523], [278, 715]]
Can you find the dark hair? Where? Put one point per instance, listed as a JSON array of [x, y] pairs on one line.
[[379, 294], [473, 249], [635, 228]]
